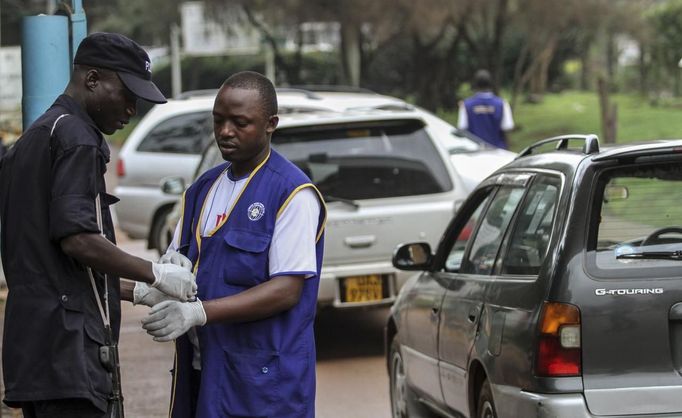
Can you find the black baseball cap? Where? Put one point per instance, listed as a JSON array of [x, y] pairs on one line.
[[118, 53]]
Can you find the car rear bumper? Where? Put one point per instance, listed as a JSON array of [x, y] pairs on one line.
[[512, 403], [330, 283], [518, 403], [137, 207]]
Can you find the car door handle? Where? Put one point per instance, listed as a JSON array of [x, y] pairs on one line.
[[435, 308], [360, 241], [473, 314], [676, 312]]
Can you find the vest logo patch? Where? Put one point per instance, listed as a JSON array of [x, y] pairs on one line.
[[256, 211]]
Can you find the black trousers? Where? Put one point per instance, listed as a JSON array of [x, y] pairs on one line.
[[61, 408]]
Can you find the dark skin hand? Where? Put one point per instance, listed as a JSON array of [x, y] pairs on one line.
[[99, 253], [262, 301]]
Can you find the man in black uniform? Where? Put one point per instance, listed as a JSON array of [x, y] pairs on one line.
[[57, 239]]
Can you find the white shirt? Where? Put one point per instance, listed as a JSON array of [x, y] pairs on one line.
[[292, 250]]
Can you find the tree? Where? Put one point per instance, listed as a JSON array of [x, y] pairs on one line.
[[147, 22], [666, 21]]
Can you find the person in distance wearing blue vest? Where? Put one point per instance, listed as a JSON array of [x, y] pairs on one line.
[[486, 115], [252, 231]]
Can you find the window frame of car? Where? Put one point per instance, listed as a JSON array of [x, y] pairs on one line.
[[174, 118], [488, 190], [600, 173], [411, 127]]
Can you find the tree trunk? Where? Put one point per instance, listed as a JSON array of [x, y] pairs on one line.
[[496, 46], [517, 85], [610, 57], [535, 74], [608, 113], [351, 53], [585, 65], [643, 72]]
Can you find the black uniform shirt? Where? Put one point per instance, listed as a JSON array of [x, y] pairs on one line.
[[53, 328]]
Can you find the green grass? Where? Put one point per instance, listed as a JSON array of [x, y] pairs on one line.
[[574, 112]]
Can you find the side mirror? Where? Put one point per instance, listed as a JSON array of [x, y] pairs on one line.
[[414, 256], [614, 192], [173, 185]]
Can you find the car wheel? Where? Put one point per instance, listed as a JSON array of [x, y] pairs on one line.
[[486, 406], [404, 402], [161, 236]]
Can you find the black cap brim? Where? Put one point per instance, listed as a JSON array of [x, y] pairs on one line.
[[144, 89]]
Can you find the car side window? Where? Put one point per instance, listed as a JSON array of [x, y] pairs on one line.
[[181, 134], [454, 260], [480, 258], [529, 241]]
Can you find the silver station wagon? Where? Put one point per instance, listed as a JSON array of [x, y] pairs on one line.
[[556, 291]]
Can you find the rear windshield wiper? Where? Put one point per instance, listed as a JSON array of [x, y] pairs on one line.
[[653, 255], [329, 198]]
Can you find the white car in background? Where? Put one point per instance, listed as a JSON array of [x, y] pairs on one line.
[[168, 142], [387, 176], [169, 139]]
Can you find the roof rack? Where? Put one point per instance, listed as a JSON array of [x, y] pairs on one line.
[[590, 145], [333, 88], [195, 93], [212, 92], [306, 92]]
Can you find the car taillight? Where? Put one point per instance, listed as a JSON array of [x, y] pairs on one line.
[[120, 168], [559, 345]]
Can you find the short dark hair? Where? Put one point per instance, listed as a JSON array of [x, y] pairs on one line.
[[482, 79], [251, 80]]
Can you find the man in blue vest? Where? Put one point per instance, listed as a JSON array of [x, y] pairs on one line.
[[486, 115], [252, 229]]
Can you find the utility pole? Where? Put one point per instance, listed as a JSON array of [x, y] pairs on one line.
[[176, 62], [46, 58]]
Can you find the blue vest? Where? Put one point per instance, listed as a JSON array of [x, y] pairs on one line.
[[484, 116], [263, 368]]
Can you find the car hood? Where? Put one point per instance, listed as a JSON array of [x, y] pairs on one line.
[[474, 167]]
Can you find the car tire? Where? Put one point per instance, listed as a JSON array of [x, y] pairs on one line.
[[160, 236], [404, 402], [486, 405]]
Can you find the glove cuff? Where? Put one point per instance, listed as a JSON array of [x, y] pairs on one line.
[[158, 271], [198, 312], [139, 292]]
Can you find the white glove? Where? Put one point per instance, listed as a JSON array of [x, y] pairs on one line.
[[143, 294], [174, 281], [170, 319], [174, 257]]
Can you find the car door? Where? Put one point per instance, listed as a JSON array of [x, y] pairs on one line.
[[421, 305], [631, 307], [419, 334], [468, 276]]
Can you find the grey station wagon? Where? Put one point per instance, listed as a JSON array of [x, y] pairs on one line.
[[556, 291]]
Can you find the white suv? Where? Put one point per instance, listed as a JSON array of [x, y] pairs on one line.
[[389, 174], [169, 140]]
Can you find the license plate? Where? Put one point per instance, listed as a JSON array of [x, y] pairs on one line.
[[363, 288]]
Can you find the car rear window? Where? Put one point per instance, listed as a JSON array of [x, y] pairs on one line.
[[366, 160], [638, 221], [181, 134]]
